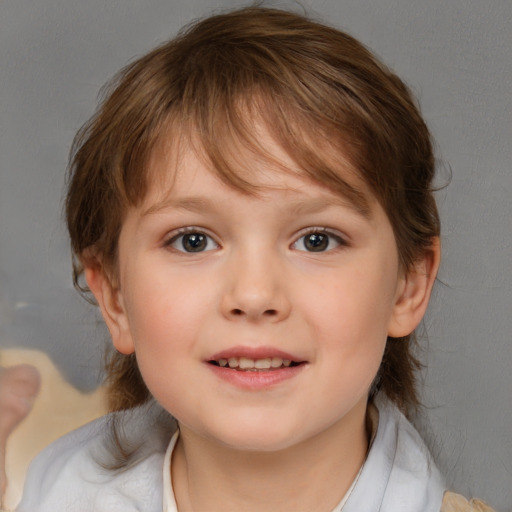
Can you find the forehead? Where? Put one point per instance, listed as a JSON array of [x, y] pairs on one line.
[[181, 159], [199, 190]]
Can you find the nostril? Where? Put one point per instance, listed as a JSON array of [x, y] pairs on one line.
[[267, 312]]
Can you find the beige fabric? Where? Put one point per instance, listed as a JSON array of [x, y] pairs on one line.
[[58, 409], [456, 503]]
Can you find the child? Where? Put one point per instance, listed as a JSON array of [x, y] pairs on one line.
[[252, 209]]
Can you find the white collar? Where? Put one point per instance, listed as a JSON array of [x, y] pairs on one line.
[[399, 474], [169, 502]]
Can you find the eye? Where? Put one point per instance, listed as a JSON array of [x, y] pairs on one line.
[[192, 241], [318, 241]]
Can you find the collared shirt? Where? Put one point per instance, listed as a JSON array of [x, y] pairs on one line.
[[398, 476]]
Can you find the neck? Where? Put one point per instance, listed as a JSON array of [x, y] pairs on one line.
[[314, 474]]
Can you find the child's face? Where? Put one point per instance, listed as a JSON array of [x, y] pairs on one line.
[[208, 274]]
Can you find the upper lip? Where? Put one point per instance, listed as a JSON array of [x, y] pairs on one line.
[[253, 353]]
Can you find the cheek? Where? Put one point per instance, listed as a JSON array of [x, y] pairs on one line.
[[166, 309], [167, 316], [351, 302], [349, 317], [163, 332]]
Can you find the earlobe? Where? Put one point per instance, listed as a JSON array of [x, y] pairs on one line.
[[111, 305], [414, 293]]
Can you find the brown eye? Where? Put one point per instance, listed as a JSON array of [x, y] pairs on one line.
[[193, 241], [318, 241]]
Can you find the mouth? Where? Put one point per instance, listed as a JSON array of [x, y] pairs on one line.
[[255, 368], [246, 364]]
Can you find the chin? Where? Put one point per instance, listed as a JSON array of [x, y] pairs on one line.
[[268, 437]]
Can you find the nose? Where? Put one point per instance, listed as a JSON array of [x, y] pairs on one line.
[[255, 289]]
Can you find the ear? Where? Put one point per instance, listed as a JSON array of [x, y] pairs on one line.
[[109, 298], [414, 291]]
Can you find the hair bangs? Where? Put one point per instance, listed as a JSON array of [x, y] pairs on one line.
[[231, 138]]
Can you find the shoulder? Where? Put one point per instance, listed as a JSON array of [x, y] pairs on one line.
[[456, 503], [398, 468], [70, 473], [414, 475], [414, 466]]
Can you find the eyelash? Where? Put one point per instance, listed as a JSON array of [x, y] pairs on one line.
[[189, 231], [337, 238], [204, 238]]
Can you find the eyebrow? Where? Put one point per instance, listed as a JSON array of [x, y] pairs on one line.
[[192, 204], [319, 204], [310, 206]]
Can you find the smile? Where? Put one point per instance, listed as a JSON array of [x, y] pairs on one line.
[[255, 368], [255, 365]]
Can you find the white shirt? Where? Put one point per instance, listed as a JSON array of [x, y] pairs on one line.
[[398, 476]]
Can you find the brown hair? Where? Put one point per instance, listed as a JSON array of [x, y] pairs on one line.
[[311, 86]]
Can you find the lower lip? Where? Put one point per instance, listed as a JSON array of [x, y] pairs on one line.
[[256, 380]]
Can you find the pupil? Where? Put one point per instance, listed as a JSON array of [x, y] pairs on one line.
[[194, 242], [317, 242]]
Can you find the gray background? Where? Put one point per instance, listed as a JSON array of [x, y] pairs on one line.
[[456, 56]]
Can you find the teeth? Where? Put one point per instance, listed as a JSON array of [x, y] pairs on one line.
[[276, 362], [263, 364], [245, 363]]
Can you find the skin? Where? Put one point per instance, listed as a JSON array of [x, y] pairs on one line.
[[19, 386], [258, 286]]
